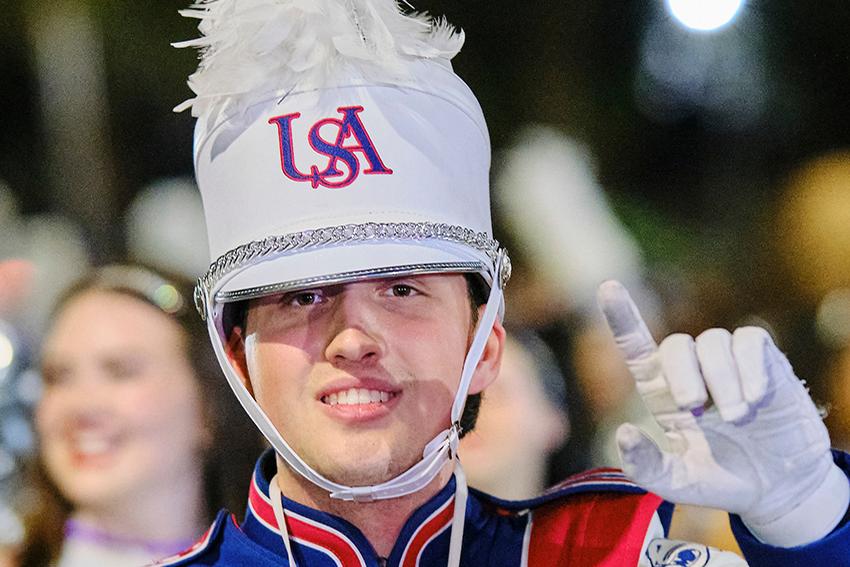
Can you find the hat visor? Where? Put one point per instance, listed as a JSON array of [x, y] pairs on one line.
[[304, 269]]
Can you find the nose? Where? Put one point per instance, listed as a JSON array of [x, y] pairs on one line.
[[356, 332], [82, 398]]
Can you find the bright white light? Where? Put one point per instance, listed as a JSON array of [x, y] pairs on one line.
[[704, 15]]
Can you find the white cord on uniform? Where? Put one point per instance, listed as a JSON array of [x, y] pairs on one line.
[[458, 516], [277, 506]]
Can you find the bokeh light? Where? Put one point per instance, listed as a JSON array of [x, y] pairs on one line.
[[702, 15], [168, 298]]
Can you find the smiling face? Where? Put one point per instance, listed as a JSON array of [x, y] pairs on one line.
[[359, 377], [120, 415]]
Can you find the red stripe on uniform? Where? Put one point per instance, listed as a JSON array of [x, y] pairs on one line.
[[261, 506], [310, 532], [601, 475], [429, 529], [196, 548], [591, 530], [319, 536]]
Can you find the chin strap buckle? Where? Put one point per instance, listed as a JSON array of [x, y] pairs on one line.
[[200, 297], [503, 267], [454, 439], [362, 494]]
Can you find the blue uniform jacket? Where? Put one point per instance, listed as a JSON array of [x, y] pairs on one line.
[[595, 519]]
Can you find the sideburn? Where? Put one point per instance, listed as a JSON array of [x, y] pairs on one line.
[[477, 292]]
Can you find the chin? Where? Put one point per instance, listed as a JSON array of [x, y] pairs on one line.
[[375, 469], [87, 496], [359, 473]]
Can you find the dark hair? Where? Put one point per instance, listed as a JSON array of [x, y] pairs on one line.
[[227, 462], [478, 291], [235, 315]]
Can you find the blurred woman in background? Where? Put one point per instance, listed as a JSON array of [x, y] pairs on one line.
[[137, 445], [522, 423]]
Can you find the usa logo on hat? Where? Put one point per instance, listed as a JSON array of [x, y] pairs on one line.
[[350, 126]]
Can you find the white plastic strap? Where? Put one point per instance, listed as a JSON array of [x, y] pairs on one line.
[[476, 349], [438, 452]]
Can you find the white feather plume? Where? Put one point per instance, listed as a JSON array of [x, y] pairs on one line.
[[255, 48]]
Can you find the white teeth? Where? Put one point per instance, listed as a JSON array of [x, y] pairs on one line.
[[91, 445], [357, 396]]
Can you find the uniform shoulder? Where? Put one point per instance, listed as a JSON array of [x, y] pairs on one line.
[[598, 517], [194, 555], [602, 480]]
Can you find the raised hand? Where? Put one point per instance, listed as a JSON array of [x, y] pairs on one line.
[[744, 436]]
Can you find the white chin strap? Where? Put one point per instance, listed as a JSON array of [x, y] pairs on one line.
[[439, 451]]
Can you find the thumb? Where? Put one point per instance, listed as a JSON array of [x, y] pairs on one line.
[[643, 461]]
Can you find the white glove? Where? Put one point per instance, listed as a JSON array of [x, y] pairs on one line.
[[761, 450]]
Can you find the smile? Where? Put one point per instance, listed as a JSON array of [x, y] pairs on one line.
[[88, 448], [92, 446], [357, 396]]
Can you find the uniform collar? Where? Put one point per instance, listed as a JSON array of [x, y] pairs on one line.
[[313, 531]]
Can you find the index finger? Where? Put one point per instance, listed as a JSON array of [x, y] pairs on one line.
[[630, 331]]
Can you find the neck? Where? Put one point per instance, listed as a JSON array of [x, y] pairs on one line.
[[523, 480], [171, 511], [380, 521]]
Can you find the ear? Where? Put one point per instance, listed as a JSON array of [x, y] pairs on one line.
[[491, 359], [235, 349]]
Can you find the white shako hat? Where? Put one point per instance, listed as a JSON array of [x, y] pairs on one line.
[[334, 143]]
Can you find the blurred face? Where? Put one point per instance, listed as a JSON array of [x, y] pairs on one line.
[[120, 413], [517, 428], [602, 372], [359, 377]]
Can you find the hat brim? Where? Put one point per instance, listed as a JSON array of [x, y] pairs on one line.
[[305, 269]]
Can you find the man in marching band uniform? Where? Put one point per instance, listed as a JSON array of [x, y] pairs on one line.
[[355, 300]]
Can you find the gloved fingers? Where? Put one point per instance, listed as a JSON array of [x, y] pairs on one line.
[[750, 346], [682, 370], [630, 332], [643, 461], [720, 371]]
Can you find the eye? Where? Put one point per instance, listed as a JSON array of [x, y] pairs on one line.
[[304, 298], [55, 376], [123, 368], [402, 290]]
